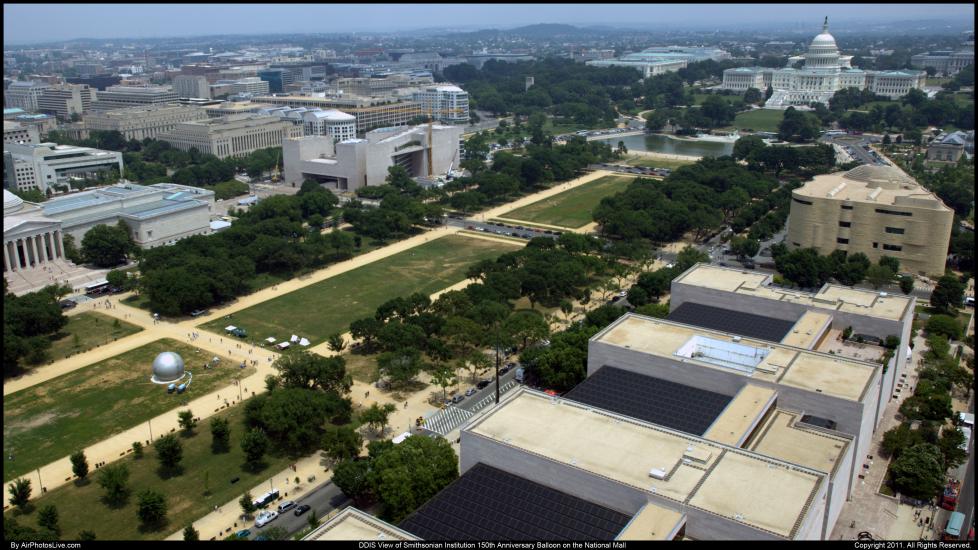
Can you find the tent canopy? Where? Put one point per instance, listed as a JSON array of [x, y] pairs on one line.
[[270, 339], [303, 342], [229, 328]]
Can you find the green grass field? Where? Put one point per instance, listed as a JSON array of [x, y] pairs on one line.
[[93, 329], [759, 120], [204, 484], [55, 418], [329, 306], [653, 162], [571, 209]]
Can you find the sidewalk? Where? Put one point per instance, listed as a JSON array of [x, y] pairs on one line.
[[227, 518]]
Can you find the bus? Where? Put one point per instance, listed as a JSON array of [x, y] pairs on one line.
[[98, 287], [952, 531]]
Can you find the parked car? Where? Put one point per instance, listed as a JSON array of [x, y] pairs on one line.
[[504, 370], [470, 392], [197, 313], [458, 399], [484, 383], [265, 517], [67, 304], [286, 506], [243, 534], [302, 509]]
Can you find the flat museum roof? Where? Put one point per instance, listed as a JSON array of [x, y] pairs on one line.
[[784, 365], [741, 486], [834, 297], [353, 524]]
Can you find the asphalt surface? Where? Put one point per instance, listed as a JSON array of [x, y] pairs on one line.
[[323, 500], [858, 148], [505, 230], [489, 392]]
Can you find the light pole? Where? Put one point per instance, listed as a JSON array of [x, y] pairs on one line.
[[150, 423], [39, 482]]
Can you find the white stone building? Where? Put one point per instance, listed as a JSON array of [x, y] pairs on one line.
[[318, 122], [23, 95], [192, 86], [351, 164], [232, 135], [118, 97], [15, 132], [444, 103], [29, 237], [825, 72], [41, 166], [143, 121]]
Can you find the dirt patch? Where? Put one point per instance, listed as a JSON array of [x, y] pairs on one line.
[[11, 428]]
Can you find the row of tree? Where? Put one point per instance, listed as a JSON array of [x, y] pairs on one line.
[[806, 268], [29, 323]]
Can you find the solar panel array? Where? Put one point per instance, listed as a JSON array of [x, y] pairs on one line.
[[654, 400], [487, 503], [736, 322]]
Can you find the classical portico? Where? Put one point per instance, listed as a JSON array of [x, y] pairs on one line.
[[30, 240]]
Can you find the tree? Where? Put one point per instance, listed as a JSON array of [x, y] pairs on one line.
[[13, 531], [906, 284], [86, 535], [898, 439], [377, 416], [220, 435], [948, 294], [118, 279], [152, 508], [190, 534], [169, 451], [879, 275], [351, 478], [744, 248], [114, 480], [47, 518], [944, 325], [951, 442], [304, 369], [443, 375], [768, 93], [336, 343], [247, 503], [890, 262], [406, 475], [527, 325], [753, 95], [746, 147], [254, 444], [106, 246], [187, 421], [79, 464], [401, 367], [292, 418], [341, 443], [798, 126], [919, 471]]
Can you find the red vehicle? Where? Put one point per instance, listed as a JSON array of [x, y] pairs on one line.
[[949, 500]]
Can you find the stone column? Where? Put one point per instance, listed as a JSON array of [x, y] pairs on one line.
[[58, 246], [6, 262], [10, 248], [17, 250], [44, 247], [36, 239]]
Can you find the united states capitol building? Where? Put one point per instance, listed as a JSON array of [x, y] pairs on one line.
[[825, 72]]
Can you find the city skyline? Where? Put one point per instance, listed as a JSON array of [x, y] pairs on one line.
[[121, 21]]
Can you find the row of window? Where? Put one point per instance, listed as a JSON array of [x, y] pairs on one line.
[[892, 247]]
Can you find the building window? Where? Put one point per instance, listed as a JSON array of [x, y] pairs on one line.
[[847, 207], [876, 245], [845, 224], [893, 212], [895, 230], [801, 201], [840, 240], [892, 247]]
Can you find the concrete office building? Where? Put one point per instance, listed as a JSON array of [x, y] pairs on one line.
[[157, 215], [947, 62], [98, 82], [663, 59], [317, 122], [876, 210], [370, 113], [43, 123], [231, 135], [66, 101], [24, 95], [349, 165], [192, 86], [15, 132], [831, 309], [382, 85], [668, 482], [43, 166], [446, 104], [225, 108], [144, 121], [119, 97], [251, 85]]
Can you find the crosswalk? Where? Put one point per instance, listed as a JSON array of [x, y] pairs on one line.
[[491, 397], [447, 419], [450, 418]]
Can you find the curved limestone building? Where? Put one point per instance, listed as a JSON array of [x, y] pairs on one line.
[[876, 210]]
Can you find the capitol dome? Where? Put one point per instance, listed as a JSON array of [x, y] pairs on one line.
[[167, 367], [11, 203]]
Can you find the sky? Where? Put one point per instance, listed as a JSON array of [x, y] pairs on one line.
[[32, 23]]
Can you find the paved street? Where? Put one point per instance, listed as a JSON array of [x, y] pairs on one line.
[[323, 499]]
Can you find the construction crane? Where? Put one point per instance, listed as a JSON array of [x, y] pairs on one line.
[[278, 161]]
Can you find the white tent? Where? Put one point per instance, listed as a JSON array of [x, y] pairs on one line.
[[303, 342], [229, 328], [294, 338], [270, 339], [282, 345], [401, 438]]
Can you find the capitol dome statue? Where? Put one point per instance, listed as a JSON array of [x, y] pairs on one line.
[[167, 367]]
